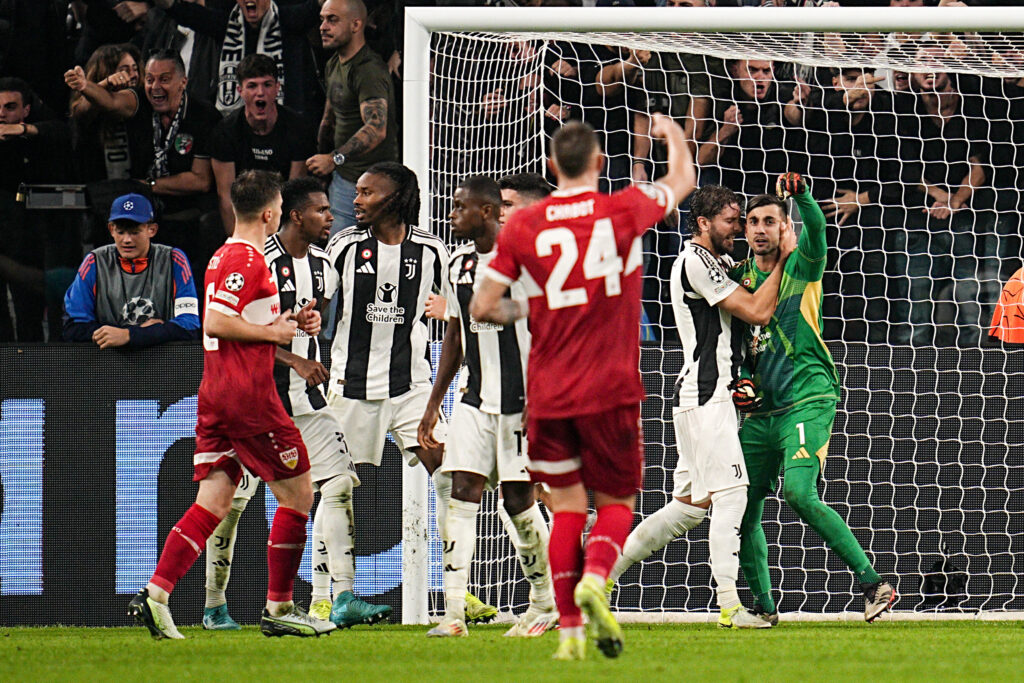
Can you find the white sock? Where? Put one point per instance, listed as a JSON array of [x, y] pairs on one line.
[[724, 541], [531, 542], [220, 549], [339, 526], [655, 532], [459, 544], [443, 489], [321, 560]]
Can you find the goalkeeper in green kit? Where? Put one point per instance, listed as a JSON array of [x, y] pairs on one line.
[[791, 398]]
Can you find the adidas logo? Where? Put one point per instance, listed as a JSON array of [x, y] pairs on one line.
[[466, 279], [800, 454], [288, 286], [366, 268]]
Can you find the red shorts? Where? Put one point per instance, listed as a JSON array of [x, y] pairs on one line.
[[604, 451], [278, 454]]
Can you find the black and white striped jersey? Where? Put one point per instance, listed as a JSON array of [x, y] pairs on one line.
[[712, 340], [380, 337], [494, 379], [299, 281]]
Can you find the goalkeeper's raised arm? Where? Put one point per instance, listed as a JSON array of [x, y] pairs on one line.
[[811, 248]]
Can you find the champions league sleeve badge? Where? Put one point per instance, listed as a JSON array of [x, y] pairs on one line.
[[234, 282]]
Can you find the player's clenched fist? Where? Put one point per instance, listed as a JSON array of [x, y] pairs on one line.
[[282, 330], [436, 307], [744, 395], [663, 126], [790, 183], [308, 319]]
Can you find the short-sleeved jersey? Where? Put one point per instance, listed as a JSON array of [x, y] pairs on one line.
[[579, 256], [237, 396], [380, 338], [788, 359], [712, 341], [496, 355], [299, 281]]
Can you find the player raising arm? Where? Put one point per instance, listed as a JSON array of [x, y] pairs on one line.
[[240, 420], [708, 306], [579, 256], [794, 371]]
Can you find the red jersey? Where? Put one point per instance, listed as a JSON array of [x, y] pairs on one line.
[[237, 396], [578, 253]]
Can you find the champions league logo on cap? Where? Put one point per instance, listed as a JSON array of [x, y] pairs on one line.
[[132, 207]]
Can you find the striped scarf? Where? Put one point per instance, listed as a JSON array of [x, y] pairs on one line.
[[233, 50]]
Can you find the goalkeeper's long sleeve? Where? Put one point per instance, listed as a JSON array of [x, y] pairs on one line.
[[812, 246]]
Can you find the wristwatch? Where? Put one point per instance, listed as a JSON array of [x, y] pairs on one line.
[[338, 158]]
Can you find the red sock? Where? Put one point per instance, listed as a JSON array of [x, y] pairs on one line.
[[183, 545], [607, 536], [565, 557], [284, 552]]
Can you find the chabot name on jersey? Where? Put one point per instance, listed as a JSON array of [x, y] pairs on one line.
[[561, 212], [376, 313]]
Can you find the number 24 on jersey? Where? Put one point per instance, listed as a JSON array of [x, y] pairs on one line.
[[602, 260]]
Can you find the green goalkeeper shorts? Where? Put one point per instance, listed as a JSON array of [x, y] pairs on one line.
[[796, 438]]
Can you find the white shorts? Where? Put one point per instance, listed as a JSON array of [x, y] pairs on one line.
[[325, 443], [367, 423], [492, 446], [710, 456]]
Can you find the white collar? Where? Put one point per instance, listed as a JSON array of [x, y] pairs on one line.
[[572, 191]]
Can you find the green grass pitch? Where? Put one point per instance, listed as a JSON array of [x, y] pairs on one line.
[[895, 651]]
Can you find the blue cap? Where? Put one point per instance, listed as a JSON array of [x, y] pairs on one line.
[[132, 207]]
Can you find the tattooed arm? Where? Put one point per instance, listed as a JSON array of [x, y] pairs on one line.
[[374, 130]]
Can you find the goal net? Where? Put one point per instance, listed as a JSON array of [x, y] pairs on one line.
[[912, 133]]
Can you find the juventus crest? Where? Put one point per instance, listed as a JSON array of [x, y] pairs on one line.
[[409, 266]]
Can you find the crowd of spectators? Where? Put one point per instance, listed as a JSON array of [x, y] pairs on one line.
[[919, 172]]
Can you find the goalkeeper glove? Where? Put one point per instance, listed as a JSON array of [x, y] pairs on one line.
[[789, 184], [744, 395]]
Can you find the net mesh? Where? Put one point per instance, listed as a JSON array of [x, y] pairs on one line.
[[914, 145]]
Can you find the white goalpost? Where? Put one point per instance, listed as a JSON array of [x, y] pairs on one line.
[[925, 200]]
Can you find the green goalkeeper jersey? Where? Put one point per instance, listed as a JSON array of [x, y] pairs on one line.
[[788, 359]]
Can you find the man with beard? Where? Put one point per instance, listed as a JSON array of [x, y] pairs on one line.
[[708, 308], [262, 135], [359, 126], [789, 428]]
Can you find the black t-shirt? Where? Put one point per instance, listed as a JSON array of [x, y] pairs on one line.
[[289, 140], [852, 150], [939, 151], [191, 142]]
